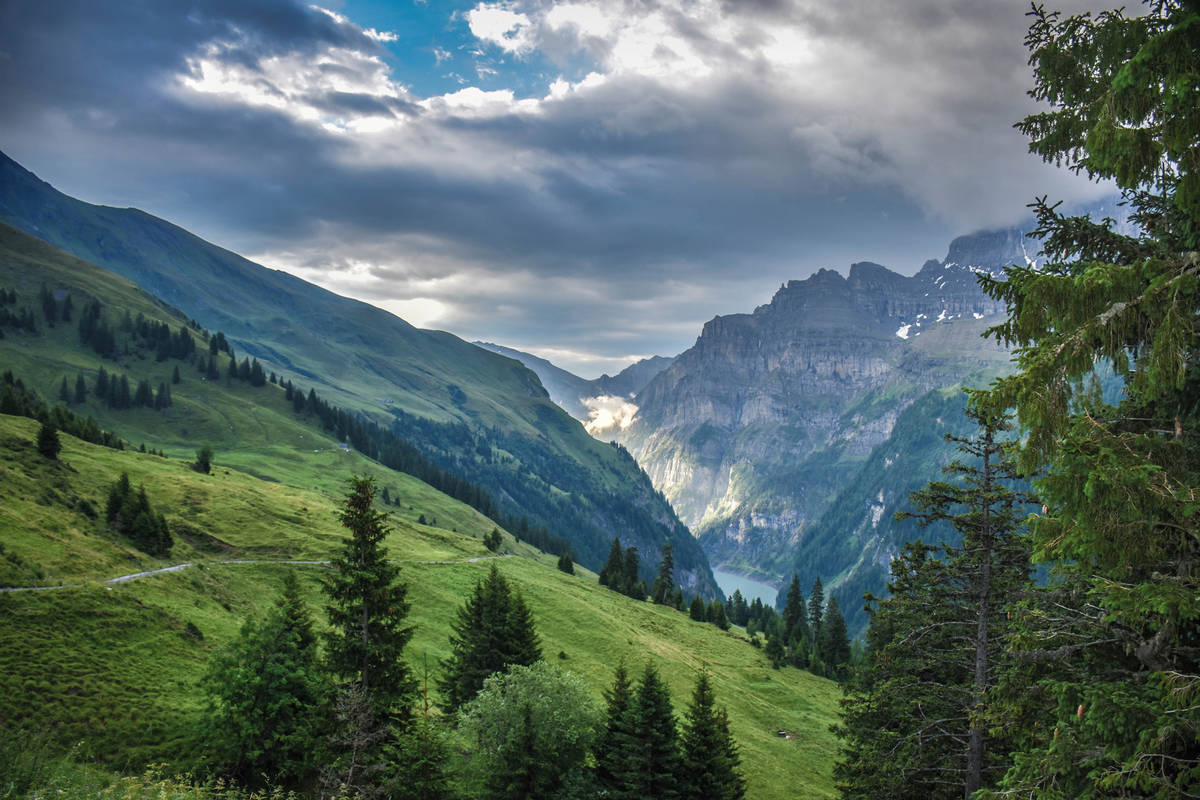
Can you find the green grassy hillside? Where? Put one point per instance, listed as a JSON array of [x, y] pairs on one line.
[[114, 666], [498, 428]]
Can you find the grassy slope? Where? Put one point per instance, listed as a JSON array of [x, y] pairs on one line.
[[356, 355], [115, 666]]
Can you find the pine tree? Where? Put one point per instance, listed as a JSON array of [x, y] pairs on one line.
[[775, 651], [664, 582], [47, 441], [611, 573], [492, 631], [633, 586], [367, 612], [698, 610], [940, 640], [1112, 676], [175, 377], [710, 759], [203, 462], [264, 697], [64, 392], [565, 564], [616, 741], [80, 389], [816, 610], [795, 622], [716, 615], [654, 764], [835, 642]]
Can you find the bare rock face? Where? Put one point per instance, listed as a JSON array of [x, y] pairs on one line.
[[753, 431]]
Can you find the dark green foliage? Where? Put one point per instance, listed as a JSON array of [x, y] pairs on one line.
[[795, 619], [203, 462], [80, 389], [49, 306], [492, 540], [64, 393], [616, 738], [1108, 654], [389, 449], [698, 611], [916, 713], [716, 615], [634, 586], [175, 378], [652, 766], [620, 571], [491, 631], [420, 766], [265, 696], [710, 762], [367, 610], [737, 610], [834, 646], [664, 582], [129, 513], [816, 609], [47, 441], [610, 573], [565, 564]]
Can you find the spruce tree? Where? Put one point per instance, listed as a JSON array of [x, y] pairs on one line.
[[80, 389], [616, 741], [367, 610], [698, 610], [1112, 665], [565, 564], [653, 766], [936, 645], [47, 441], [492, 631], [835, 642], [632, 584], [795, 621], [816, 610], [64, 392], [611, 574], [664, 582], [710, 759], [264, 696]]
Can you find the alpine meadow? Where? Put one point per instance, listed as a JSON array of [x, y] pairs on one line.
[[459, 469]]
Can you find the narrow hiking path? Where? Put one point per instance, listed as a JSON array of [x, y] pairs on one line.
[[177, 567]]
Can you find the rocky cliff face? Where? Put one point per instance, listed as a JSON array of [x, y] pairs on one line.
[[754, 431]]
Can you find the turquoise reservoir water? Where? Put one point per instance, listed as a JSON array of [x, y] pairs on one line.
[[749, 588]]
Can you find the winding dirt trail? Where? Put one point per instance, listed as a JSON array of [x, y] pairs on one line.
[[133, 576]]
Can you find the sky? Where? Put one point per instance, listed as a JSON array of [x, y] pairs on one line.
[[589, 181]]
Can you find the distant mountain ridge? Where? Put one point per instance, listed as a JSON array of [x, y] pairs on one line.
[[452, 399], [570, 391], [762, 427]]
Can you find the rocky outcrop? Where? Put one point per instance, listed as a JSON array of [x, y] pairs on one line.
[[754, 431]]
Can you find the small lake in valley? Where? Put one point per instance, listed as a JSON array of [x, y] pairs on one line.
[[750, 588]]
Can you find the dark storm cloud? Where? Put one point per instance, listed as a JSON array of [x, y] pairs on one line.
[[730, 148]]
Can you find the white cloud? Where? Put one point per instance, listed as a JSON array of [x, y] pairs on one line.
[[608, 413], [499, 24]]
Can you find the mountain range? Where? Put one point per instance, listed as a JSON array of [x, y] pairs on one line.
[[786, 438], [484, 417]]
